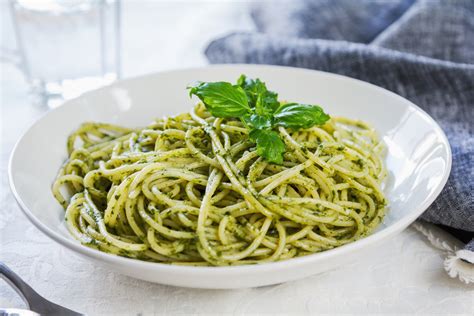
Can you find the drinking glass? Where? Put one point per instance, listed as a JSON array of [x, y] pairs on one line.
[[67, 47]]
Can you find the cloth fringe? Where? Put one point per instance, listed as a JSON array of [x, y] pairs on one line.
[[459, 263]]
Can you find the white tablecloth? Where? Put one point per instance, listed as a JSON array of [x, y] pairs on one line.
[[403, 275]]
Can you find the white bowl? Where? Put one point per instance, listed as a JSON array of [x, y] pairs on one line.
[[419, 161]]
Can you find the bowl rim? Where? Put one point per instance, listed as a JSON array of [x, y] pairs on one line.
[[237, 269]]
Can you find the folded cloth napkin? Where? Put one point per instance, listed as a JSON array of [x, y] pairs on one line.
[[422, 50]]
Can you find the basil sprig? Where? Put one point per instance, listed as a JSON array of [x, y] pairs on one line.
[[260, 111]]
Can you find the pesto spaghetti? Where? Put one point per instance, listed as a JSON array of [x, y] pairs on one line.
[[196, 189]]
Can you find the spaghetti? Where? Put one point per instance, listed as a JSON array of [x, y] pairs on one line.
[[192, 190]]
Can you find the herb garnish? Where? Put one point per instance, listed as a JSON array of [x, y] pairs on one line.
[[260, 111]]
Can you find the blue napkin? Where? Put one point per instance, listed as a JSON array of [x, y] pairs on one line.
[[422, 50]]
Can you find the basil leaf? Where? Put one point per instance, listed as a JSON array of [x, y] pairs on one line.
[[258, 121], [269, 145], [255, 89], [260, 105], [271, 101], [295, 115], [222, 99], [241, 80], [267, 103]]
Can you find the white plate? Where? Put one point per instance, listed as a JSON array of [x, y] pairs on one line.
[[419, 161]]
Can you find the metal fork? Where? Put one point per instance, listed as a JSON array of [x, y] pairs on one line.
[[35, 302]]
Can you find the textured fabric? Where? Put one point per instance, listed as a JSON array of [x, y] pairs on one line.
[[355, 21], [426, 55], [470, 246], [441, 29]]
